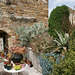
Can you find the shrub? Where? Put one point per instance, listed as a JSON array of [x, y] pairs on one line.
[[67, 67], [57, 64], [72, 41], [42, 43], [47, 62], [59, 20]]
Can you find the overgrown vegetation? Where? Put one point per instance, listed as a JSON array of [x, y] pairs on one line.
[[42, 43], [72, 41], [61, 42], [67, 66], [57, 56], [26, 33], [47, 62], [59, 20], [57, 63]]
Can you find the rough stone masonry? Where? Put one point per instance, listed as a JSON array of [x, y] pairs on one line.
[[14, 13]]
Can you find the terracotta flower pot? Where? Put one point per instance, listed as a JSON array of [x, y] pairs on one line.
[[28, 62]]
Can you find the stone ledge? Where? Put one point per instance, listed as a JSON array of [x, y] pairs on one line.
[[22, 19]]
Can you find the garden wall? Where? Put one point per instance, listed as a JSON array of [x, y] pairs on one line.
[[34, 58]]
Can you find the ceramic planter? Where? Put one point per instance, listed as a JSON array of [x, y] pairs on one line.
[[22, 65], [17, 58], [17, 66], [8, 66]]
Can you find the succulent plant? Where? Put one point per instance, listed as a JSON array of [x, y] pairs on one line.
[[18, 50], [61, 41], [25, 33]]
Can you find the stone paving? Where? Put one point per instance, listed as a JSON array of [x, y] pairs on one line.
[[28, 71]]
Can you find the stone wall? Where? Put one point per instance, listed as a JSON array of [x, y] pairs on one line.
[[72, 16], [14, 13], [35, 60], [25, 10]]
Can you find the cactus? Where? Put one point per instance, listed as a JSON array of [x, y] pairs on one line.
[[27, 32]]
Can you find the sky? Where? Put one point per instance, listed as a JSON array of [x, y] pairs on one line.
[[53, 3]]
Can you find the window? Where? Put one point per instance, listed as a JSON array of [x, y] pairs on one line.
[[8, 2]]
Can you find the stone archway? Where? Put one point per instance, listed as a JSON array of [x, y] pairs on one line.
[[8, 31], [6, 38], [3, 40]]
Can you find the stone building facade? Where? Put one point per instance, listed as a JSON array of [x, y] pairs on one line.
[[14, 13], [72, 16]]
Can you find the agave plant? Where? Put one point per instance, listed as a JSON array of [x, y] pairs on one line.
[[62, 41]]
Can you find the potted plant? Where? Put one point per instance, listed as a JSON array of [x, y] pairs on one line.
[[17, 58], [0, 53], [3, 54], [25, 59], [17, 53], [17, 66], [9, 66], [28, 62], [22, 64], [5, 63]]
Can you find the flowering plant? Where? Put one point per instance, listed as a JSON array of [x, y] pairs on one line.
[[18, 50]]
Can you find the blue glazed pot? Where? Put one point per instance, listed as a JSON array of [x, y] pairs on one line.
[[9, 66]]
